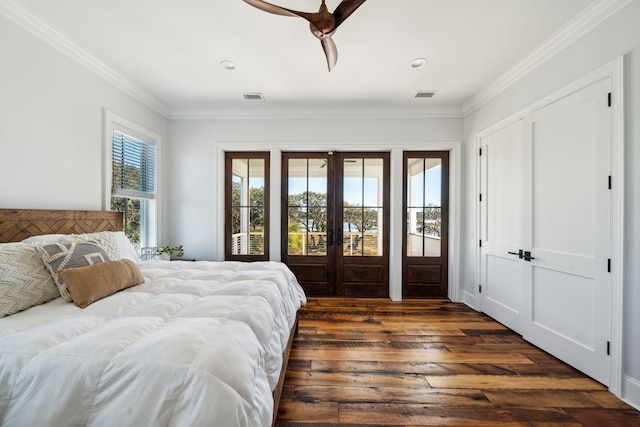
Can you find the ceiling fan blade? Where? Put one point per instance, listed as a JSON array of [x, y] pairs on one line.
[[278, 10], [330, 51], [345, 9]]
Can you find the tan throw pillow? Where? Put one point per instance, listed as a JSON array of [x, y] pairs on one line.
[[58, 256], [94, 282]]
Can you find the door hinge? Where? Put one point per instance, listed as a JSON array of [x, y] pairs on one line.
[[480, 196], [480, 243], [609, 99], [608, 348], [480, 288], [610, 182], [480, 152], [609, 265]]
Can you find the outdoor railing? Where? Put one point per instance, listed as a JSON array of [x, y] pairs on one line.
[[251, 243]]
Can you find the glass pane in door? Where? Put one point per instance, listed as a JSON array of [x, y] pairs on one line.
[[307, 207], [248, 206], [424, 207], [362, 212]]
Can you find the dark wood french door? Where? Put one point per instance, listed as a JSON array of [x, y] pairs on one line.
[[335, 222], [426, 224]]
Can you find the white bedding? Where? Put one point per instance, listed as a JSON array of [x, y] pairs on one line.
[[199, 343]]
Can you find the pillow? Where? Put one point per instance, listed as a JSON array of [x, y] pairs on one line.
[[94, 282], [57, 256], [104, 239], [44, 238], [125, 247], [24, 280]]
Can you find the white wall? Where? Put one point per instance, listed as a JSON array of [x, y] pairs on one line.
[[51, 125], [619, 35]]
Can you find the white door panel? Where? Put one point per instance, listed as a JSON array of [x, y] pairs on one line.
[[502, 228], [567, 229], [568, 290], [500, 290]]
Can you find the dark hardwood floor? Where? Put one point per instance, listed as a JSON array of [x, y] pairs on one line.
[[366, 362]]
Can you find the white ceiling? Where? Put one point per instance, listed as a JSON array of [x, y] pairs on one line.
[[170, 50]]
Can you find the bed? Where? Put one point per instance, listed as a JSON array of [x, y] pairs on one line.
[[197, 343]]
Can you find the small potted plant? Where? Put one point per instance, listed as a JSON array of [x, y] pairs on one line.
[[165, 252]]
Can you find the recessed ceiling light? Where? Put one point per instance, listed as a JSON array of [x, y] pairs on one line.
[[418, 63], [228, 65]]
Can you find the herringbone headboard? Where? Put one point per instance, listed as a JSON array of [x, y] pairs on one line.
[[18, 224]]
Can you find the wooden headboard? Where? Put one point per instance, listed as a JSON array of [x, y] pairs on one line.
[[18, 224]]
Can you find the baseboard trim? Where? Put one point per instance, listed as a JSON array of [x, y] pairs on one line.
[[631, 391], [469, 299]]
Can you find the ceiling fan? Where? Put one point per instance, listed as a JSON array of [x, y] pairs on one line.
[[323, 24]]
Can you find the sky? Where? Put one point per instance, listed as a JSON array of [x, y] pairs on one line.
[[353, 188]]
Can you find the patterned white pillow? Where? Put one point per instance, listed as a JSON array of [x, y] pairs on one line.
[[44, 238], [24, 279], [57, 256], [105, 239]]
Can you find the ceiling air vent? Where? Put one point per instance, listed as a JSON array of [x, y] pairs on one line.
[[253, 96], [425, 94]]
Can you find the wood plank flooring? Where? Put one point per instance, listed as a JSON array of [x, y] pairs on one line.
[[371, 362]]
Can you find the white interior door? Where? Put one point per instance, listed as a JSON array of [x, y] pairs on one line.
[[501, 230], [567, 208]]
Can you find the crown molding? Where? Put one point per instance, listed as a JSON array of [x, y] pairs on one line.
[[588, 19], [300, 111], [65, 45]]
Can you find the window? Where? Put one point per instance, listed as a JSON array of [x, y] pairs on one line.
[[131, 177], [247, 206]]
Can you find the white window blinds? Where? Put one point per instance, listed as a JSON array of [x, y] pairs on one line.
[[133, 166]]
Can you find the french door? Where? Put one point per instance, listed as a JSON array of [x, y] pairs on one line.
[[335, 211], [426, 224]]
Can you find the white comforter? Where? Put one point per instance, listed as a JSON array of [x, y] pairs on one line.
[[196, 344]]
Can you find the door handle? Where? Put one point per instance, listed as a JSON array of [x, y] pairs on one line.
[[339, 242], [519, 253], [330, 237], [527, 256]]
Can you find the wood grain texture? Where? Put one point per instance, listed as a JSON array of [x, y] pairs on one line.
[[373, 362], [18, 224]]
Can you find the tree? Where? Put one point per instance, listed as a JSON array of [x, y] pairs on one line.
[[364, 219], [256, 208], [130, 207], [309, 209], [430, 221]]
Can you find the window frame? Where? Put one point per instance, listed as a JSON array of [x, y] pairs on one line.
[[230, 156], [149, 224]]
